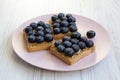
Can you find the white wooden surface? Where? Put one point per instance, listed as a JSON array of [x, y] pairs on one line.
[[15, 12]]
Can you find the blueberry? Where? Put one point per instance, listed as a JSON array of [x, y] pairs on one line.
[[60, 48], [76, 35], [72, 23], [35, 33], [40, 23], [57, 43], [82, 45], [31, 38], [39, 39], [60, 15], [64, 23], [73, 28], [27, 29], [31, 32], [64, 18], [48, 30], [46, 26], [48, 37], [68, 15], [84, 39], [67, 43], [33, 25], [89, 43], [91, 34], [71, 19], [54, 17], [40, 33], [56, 30], [69, 52], [39, 28], [74, 41], [57, 21], [64, 29], [66, 38], [56, 25], [75, 47]]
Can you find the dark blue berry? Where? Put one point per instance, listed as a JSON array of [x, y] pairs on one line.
[[66, 38], [68, 15], [57, 21], [39, 39], [46, 26], [39, 28], [75, 47], [67, 43], [54, 17], [84, 39], [64, 30], [76, 35], [31, 38], [48, 30], [31, 32], [57, 43], [74, 41], [27, 29], [64, 18], [71, 19], [64, 23], [56, 30], [56, 25], [60, 48], [40, 23], [33, 25], [60, 15], [91, 34], [72, 23], [40, 33], [82, 45], [89, 43], [69, 52], [48, 37], [73, 28]]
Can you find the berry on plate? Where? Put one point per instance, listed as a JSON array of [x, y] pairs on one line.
[[90, 34]]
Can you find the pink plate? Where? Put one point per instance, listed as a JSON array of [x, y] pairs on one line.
[[44, 59]]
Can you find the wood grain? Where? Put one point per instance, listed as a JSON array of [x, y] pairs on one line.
[[15, 12]]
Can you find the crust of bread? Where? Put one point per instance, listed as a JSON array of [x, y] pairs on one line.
[[71, 60], [36, 46], [61, 35]]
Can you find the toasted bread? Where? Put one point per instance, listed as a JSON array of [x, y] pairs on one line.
[[71, 60], [36, 46]]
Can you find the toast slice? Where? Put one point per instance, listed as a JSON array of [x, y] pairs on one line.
[[36, 46], [77, 56]]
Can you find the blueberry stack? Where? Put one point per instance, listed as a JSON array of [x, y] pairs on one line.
[[70, 45], [62, 23], [38, 32]]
